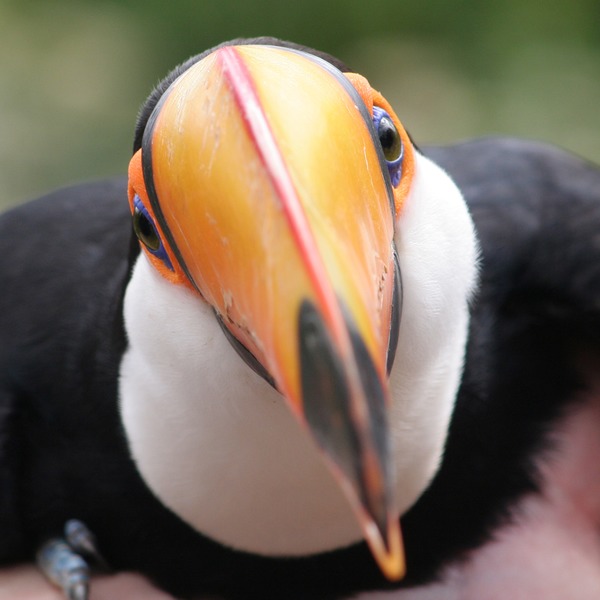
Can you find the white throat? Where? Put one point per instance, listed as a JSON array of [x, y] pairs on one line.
[[220, 448]]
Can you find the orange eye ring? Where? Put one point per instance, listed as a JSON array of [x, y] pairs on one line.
[[373, 98], [160, 256]]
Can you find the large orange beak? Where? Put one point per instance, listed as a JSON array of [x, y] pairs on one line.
[[261, 168]]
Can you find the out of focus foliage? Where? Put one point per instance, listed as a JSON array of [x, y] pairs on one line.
[[74, 72]]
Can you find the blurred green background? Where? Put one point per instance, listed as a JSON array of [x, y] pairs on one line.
[[73, 73]]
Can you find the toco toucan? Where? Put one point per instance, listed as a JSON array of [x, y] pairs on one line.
[[266, 356]]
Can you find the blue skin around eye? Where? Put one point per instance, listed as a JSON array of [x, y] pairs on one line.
[[395, 166], [160, 253]]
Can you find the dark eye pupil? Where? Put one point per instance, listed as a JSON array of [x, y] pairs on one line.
[[389, 139], [145, 230]]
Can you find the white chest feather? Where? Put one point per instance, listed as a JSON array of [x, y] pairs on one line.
[[219, 446], [214, 441]]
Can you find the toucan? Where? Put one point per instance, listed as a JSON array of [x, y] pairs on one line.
[[293, 355]]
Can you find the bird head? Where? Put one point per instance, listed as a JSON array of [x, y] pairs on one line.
[[271, 186]]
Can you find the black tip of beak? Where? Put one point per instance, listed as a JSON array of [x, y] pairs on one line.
[[325, 393], [356, 441]]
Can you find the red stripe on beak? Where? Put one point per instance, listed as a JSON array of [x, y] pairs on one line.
[[246, 97]]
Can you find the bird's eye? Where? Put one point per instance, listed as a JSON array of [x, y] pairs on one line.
[[146, 232], [391, 143], [389, 138]]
